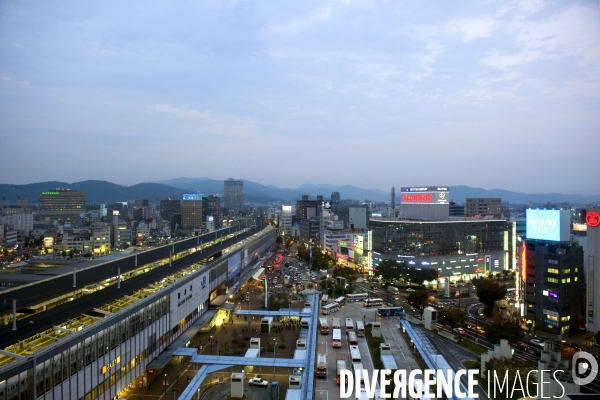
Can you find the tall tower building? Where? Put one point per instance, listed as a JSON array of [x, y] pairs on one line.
[[234, 195], [61, 204], [393, 203], [335, 198]]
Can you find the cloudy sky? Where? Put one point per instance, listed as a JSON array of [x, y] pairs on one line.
[[492, 94]]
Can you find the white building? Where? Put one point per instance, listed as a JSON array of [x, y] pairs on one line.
[[19, 222]]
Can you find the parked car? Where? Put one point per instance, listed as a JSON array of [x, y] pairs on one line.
[[460, 331], [257, 381]]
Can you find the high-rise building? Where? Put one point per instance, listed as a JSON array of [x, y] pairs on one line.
[[234, 195], [169, 207], [61, 204], [335, 198], [307, 209], [191, 211], [211, 206], [484, 207]]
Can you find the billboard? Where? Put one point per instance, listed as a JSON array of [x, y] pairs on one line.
[[192, 196], [425, 195], [551, 225], [234, 265]]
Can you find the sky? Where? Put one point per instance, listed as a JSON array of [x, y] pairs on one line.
[[367, 93]]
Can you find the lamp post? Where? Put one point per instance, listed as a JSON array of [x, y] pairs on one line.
[[174, 393], [210, 344], [274, 346], [165, 384]]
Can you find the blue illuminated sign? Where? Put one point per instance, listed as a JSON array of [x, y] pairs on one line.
[[552, 225]]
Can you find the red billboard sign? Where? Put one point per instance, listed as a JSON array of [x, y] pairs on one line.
[[417, 198]]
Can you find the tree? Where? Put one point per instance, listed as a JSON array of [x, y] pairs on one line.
[[452, 317], [70, 253], [63, 253], [497, 331], [388, 269], [418, 299], [279, 240], [420, 276], [303, 253], [346, 272], [489, 292]]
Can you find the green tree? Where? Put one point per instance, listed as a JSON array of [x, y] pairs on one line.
[[279, 240], [63, 253], [71, 254], [388, 269], [489, 292], [452, 317], [303, 253], [497, 331], [420, 276], [499, 367], [346, 272], [418, 299]]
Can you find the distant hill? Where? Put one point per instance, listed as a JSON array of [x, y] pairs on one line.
[[107, 192], [96, 191]]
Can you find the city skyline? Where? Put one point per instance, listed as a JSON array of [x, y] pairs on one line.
[[486, 95]]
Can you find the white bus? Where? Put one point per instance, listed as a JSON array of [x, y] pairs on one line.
[[324, 326], [341, 365], [329, 309], [357, 366], [324, 299], [340, 301], [337, 339], [355, 354], [357, 297], [336, 323], [420, 390], [304, 322], [373, 302], [360, 329], [352, 339], [349, 324]]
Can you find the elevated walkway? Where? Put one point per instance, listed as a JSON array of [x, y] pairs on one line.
[[281, 313]]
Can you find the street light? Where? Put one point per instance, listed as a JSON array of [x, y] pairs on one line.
[[274, 346], [210, 344], [165, 384]]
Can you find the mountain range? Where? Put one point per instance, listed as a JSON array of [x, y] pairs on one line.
[[107, 192]]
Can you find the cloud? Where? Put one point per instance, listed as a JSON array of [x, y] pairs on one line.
[[181, 113], [472, 28]]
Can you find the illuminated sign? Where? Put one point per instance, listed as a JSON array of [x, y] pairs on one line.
[[192, 196], [592, 219], [113, 364], [551, 225], [53, 193], [343, 243], [425, 195]]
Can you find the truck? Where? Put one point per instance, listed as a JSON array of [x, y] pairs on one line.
[[393, 290]]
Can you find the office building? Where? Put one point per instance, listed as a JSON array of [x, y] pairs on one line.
[[353, 216], [191, 211], [592, 268], [335, 198], [211, 207], [425, 203], [61, 205], [285, 220], [309, 229], [307, 209], [169, 207], [456, 210], [456, 249], [484, 207], [234, 195]]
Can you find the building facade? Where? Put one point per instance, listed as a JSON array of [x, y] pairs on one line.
[[61, 204], [484, 207], [191, 212], [592, 268], [169, 207], [456, 249], [431, 203], [211, 207], [233, 193], [307, 209]]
